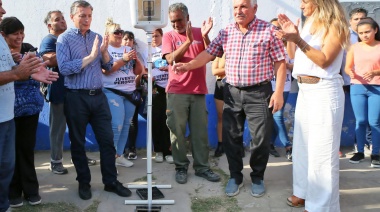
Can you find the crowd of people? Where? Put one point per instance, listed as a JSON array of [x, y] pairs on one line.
[[99, 80]]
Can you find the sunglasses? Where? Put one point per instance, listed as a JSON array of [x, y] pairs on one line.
[[118, 32]]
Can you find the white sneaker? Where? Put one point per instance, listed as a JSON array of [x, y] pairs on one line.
[[159, 157], [121, 161], [169, 159]]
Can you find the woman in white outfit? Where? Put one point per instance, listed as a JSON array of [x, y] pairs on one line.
[[320, 103]]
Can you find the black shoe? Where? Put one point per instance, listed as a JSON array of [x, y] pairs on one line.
[[118, 188], [181, 176], [357, 157], [289, 154], [375, 161], [34, 200], [219, 150], [85, 191], [209, 175], [57, 168], [16, 202], [273, 151]]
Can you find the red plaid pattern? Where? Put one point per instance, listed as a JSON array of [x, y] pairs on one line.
[[249, 56]]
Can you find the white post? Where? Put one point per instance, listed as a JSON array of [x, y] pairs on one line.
[[149, 23], [149, 120], [150, 200]]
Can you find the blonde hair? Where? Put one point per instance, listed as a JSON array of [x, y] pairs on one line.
[[330, 14], [111, 26]]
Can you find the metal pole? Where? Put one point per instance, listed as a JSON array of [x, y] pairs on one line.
[[149, 120], [150, 201]]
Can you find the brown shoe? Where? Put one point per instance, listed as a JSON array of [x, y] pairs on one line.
[[296, 202]]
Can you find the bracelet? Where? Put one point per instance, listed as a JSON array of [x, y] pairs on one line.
[[125, 61], [298, 41], [304, 47]]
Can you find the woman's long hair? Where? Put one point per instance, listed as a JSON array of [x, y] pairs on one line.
[[330, 14]]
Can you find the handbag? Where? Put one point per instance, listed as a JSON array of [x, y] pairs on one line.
[[134, 97]]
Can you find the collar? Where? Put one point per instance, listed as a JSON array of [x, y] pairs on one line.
[[77, 31], [353, 32]]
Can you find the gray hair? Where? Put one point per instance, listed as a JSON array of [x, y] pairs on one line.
[[80, 3], [179, 6], [48, 16]]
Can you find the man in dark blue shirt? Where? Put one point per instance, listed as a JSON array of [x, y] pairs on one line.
[[56, 92], [81, 56]]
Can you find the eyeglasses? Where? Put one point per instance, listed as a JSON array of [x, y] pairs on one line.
[[118, 32]]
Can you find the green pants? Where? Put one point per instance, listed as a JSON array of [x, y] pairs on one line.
[[191, 109]]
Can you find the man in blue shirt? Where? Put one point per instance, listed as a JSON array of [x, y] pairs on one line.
[[81, 57], [56, 92]]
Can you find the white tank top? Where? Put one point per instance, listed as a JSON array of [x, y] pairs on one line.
[[304, 66]]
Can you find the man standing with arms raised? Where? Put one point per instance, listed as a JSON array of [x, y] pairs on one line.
[[252, 53], [186, 94], [81, 58]]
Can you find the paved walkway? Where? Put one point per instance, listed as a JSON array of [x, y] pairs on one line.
[[359, 185]]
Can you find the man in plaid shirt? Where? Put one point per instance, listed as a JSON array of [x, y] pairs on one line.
[[252, 53]]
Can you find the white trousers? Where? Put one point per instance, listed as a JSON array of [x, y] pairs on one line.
[[317, 129]]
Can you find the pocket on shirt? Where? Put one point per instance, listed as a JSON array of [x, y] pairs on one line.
[[259, 49]]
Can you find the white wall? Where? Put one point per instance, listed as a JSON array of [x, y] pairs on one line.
[[32, 13]]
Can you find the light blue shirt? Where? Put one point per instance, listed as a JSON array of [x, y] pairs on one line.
[[72, 47], [7, 92], [353, 40]]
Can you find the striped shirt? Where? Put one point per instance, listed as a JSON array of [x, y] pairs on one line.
[[249, 56], [72, 47]]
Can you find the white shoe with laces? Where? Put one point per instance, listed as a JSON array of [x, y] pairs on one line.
[[121, 161], [169, 159], [159, 157]]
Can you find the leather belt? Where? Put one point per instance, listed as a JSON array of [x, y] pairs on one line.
[[253, 86], [90, 92], [308, 79]]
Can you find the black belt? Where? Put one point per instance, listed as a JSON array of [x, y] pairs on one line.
[[253, 86], [90, 92]]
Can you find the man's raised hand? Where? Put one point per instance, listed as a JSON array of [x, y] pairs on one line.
[[207, 26], [95, 47]]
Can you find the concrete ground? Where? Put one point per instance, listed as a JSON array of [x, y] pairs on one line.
[[359, 185]]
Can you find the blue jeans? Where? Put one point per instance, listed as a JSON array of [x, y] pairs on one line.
[[122, 111], [365, 100], [7, 160], [279, 129]]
